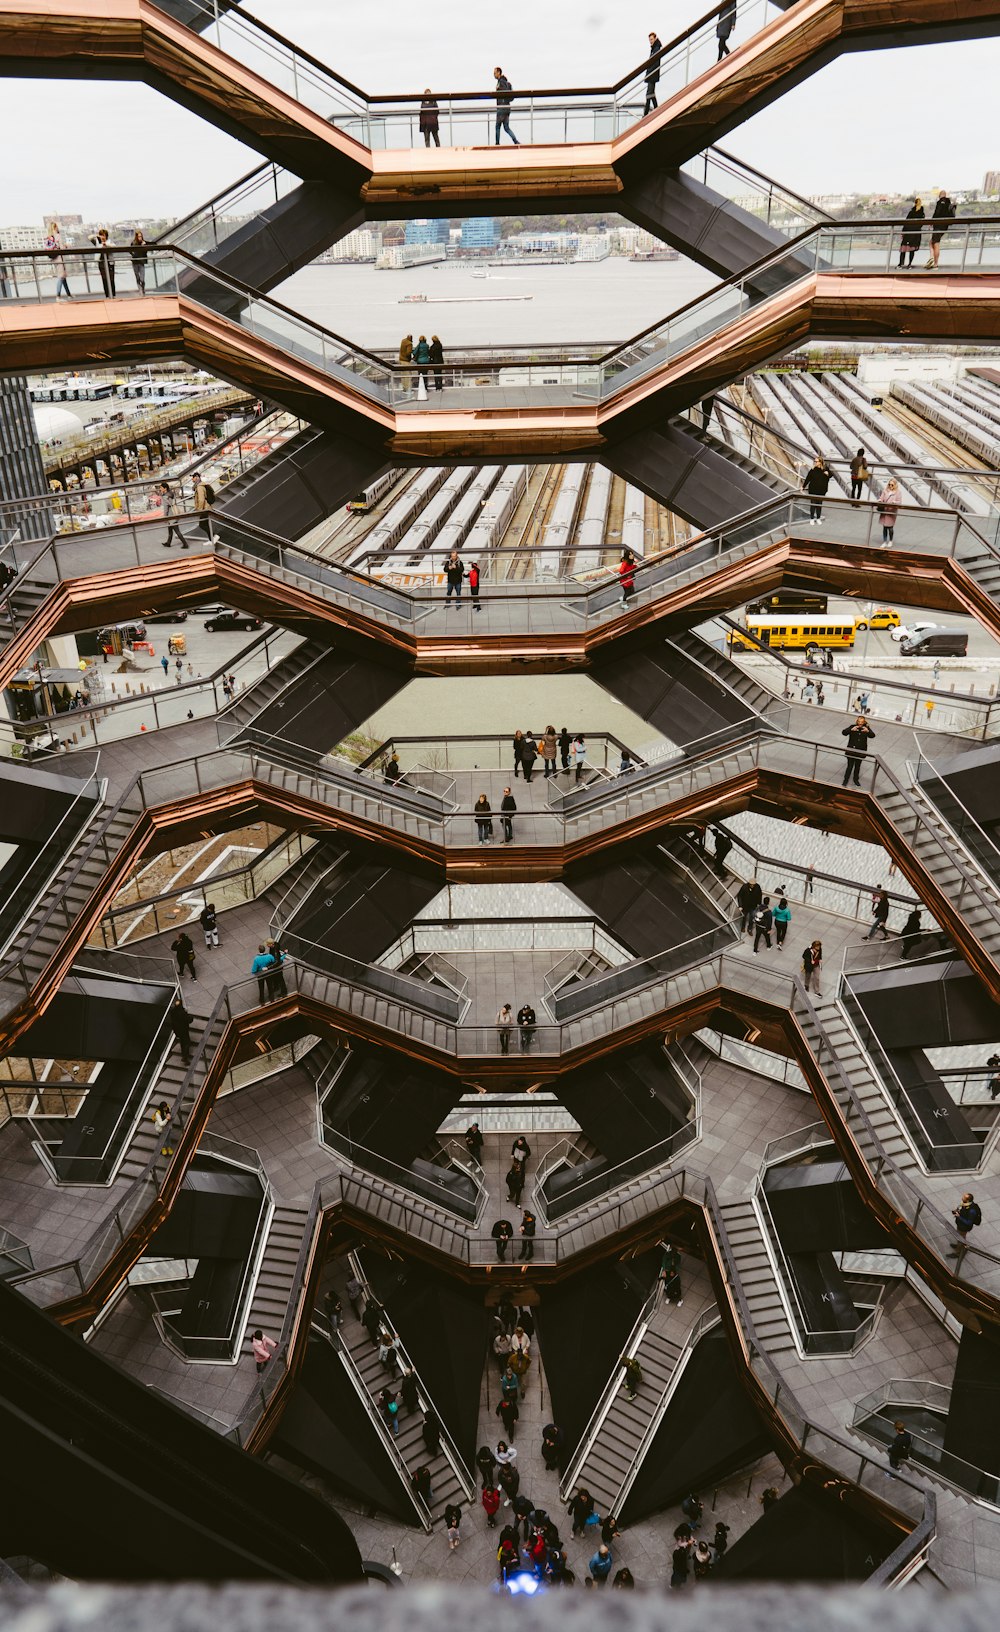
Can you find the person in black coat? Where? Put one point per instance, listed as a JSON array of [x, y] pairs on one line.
[[565, 741], [724, 27], [429, 119], [941, 220], [858, 735], [454, 572], [436, 351], [723, 845], [505, 96], [816, 485], [910, 241], [486, 1462], [911, 933], [529, 753], [502, 1232], [527, 1236], [507, 809], [652, 73], [748, 899], [552, 1444], [474, 1142]]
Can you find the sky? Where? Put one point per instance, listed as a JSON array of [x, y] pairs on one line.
[[879, 121]]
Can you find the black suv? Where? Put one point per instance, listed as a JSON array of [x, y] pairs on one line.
[[233, 620]]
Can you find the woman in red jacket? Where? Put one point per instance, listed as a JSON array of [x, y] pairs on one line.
[[626, 575]]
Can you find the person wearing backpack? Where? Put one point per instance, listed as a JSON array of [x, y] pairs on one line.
[[763, 918], [966, 1217], [204, 498]]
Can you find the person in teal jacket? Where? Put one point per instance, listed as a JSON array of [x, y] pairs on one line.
[[782, 917], [422, 357]]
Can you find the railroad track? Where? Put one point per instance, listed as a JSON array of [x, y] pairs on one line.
[[520, 558], [944, 449]]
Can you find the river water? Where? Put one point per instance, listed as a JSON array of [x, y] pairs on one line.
[[592, 301]]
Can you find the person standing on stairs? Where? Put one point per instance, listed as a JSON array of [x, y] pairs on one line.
[[180, 1025], [421, 1482], [161, 1120], [389, 1407], [409, 1393], [900, 1450], [652, 73], [431, 1433], [262, 1349], [967, 1216], [633, 1375], [723, 845], [724, 27]]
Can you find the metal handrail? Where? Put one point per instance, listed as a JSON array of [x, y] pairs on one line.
[[704, 1324], [609, 1393]]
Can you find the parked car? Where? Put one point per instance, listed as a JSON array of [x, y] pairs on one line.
[[937, 643], [909, 631], [233, 620], [170, 615]]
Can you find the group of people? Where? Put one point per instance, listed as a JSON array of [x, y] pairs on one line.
[[911, 931], [455, 574], [942, 217], [527, 1020], [550, 745], [137, 251], [817, 484], [422, 359], [693, 1555], [724, 25]]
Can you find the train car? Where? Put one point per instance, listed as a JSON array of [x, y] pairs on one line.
[[487, 534], [634, 522], [369, 497], [588, 548], [411, 563], [558, 531], [379, 544], [466, 514]]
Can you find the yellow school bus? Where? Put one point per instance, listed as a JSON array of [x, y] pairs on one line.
[[783, 633]]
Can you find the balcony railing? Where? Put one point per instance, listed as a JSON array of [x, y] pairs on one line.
[[924, 1407]]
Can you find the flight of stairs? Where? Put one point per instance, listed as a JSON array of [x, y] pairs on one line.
[[886, 1137], [273, 1288], [609, 1459], [256, 697], [729, 674], [934, 845], [753, 1266], [361, 1357]]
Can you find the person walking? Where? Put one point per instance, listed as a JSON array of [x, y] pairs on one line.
[[209, 921], [409, 1391], [508, 1411], [261, 964], [579, 1507], [474, 585], [405, 360], [490, 1498], [942, 218], [520, 1355], [529, 753], [518, 749], [626, 576], [782, 916], [452, 1524], [812, 965], [183, 949], [858, 735], [515, 1183], [901, 1448], [483, 812], [724, 27], [552, 1444], [720, 1541], [880, 914], [474, 1142], [389, 1407], [421, 1482], [502, 1232], [723, 845], [565, 744], [520, 1150], [600, 1564], [139, 252], [507, 810], [180, 1025], [888, 510], [429, 119], [505, 97], [262, 1348], [633, 1375], [505, 1019], [652, 73], [204, 498], [763, 918], [910, 934], [421, 360], [967, 1216], [860, 474], [550, 750], [748, 898], [910, 241], [454, 572], [430, 1433], [105, 261], [486, 1462], [436, 350], [579, 757], [816, 484], [53, 244], [527, 1234]]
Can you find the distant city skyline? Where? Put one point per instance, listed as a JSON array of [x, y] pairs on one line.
[[881, 121]]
